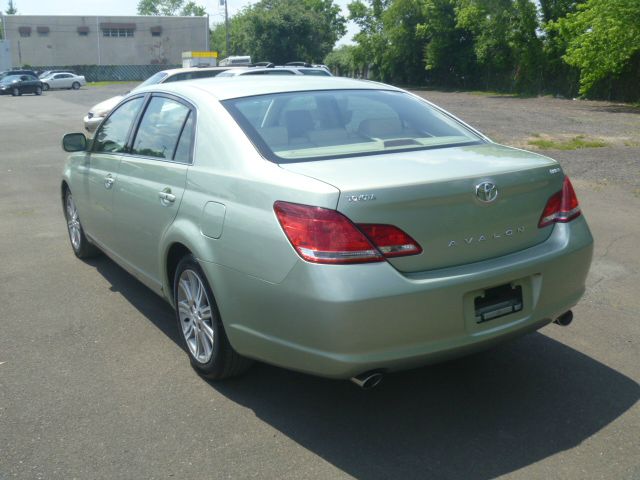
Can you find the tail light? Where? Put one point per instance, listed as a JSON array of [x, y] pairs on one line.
[[562, 207], [390, 240], [321, 235]]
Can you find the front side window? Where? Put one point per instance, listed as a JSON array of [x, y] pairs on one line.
[[159, 131], [313, 125], [114, 131]]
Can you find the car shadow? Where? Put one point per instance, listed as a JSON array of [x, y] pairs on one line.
[[478, 417]]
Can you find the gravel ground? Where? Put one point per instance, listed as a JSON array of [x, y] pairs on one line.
[[94, 386], [516, 121]]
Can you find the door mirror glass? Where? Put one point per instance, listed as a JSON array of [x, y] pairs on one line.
[[74, 142]]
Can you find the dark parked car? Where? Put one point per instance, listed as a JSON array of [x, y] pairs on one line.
[[6, 73], [19, 84]]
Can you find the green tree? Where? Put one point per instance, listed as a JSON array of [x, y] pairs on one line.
[[449, 56], [283, 30], [603, 39], [192, 9], [371, 41], [342, 62], [404, 53], [526, 47], [170, 8], [12, 10]]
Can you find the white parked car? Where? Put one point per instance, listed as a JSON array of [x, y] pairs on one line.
[[99, 111], [63, 80], [277, 70]]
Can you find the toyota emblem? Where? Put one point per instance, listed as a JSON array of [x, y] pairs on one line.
[[486, 192]]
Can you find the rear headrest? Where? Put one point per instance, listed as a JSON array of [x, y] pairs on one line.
[[298, 122], [274, 136], [380, 127]]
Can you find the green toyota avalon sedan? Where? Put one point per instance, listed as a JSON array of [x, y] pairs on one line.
[[337, 227]]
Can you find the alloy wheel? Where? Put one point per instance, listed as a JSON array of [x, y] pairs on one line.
[[73, 223], [194, 312]]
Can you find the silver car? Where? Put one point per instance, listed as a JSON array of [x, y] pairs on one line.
[[66, 80], [337, 227]]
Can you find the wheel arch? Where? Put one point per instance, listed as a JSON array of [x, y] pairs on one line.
[[175, 252], [64, 188]]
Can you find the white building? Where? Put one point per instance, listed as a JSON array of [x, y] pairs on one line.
[[46, 40]]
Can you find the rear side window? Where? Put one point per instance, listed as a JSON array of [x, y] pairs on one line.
[[313, 125], [162, 123], [316, 72], [114, 131], [183, 151], [269, 72]]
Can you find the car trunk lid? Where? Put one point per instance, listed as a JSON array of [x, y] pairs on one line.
[[438, 197]]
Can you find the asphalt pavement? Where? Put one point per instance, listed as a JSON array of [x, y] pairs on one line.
[[94, 385]]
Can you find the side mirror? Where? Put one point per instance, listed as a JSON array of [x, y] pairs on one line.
[[74, 142]]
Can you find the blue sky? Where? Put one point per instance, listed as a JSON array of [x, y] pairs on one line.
[[128, 7]]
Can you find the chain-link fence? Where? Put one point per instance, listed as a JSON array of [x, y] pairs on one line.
[[110, 73]]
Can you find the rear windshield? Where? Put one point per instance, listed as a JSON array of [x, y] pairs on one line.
[[152, 80], [303, 126]]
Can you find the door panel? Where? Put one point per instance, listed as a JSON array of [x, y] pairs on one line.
[[146, 200], [109, 143], [100, 179], [151, 182]]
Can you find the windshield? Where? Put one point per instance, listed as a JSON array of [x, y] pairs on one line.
[[10, 79], [301, 126], [152, 80]]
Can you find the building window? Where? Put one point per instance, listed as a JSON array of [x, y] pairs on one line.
[[83, 31], [156, 31], [42, 31], [24, 31], [117, 32]]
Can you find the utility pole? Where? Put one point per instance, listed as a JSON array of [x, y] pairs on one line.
[[226, 24]]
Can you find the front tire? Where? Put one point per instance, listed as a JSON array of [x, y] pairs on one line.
[[45, 86], [79, 242], [200, 325], [75, 85], [38, 91]]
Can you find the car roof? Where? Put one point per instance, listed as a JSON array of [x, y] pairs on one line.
[[173, 71], [250, 85], [293, 68]]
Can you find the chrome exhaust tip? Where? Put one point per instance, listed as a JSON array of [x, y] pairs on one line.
[[368, 380], [565, 319]]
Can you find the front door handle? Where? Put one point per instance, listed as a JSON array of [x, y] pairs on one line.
[[166, 197], [108, 181]]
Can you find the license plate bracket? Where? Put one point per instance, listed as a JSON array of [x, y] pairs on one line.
[[497, 302]]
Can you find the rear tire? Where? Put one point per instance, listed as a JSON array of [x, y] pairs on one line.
[[81, 246], [45, 86], [200, 326], [75, 85], [38, 91]]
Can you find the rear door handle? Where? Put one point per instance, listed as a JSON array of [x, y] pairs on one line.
[[166, 197], [108, 181]]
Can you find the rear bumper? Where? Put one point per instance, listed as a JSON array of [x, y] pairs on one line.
[[339, 321]]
